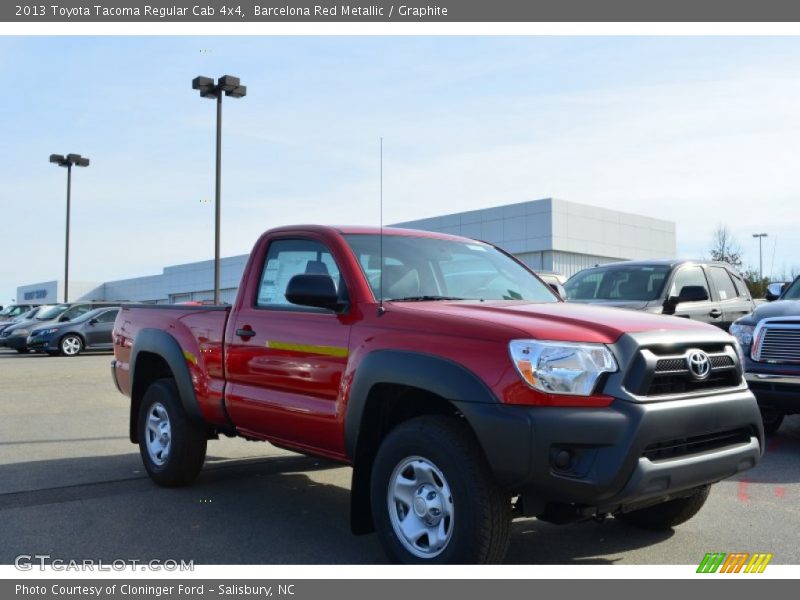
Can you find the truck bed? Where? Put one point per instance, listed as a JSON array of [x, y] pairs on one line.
[[199, 332]]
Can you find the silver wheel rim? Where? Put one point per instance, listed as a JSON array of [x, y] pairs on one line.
[[159, 434], [71, 345], [420, 507]]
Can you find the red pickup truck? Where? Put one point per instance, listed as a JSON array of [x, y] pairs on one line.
[[459, 387]]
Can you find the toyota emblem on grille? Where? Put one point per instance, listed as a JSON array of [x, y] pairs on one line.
[[698, 363]]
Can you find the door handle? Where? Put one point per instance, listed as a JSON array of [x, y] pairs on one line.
[[245, 333], [715, 313]]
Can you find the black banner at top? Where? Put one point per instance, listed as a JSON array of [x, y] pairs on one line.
[[453, 11]]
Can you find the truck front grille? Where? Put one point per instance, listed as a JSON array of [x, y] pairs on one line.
[[778, 342], [663, 371], [696, 444]]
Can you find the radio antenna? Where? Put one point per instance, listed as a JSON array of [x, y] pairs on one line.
[[380, 283]]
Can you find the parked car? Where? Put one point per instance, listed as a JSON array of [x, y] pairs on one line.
[[23, 317], [707, 291], [770, 342], [16, 336], [12, 311], [90, 331], [452, 379]]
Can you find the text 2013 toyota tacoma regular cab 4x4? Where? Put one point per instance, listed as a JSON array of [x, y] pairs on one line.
[[469, 395]]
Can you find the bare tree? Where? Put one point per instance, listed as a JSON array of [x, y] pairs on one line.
[[725, 247]]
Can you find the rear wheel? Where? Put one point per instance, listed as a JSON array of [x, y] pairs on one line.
[[434, 499], [772, 419], [71, 345], [172, 447], [667, 514]]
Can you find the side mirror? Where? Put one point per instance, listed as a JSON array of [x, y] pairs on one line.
[[63, 319], [774, 291], [93, 322], [313, 289], [688, 293]]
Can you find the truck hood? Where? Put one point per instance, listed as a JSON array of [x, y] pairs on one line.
[[778, 308], [555, 321]]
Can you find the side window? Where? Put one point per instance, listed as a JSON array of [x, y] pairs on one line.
[[688, 276], [287, 258], [723, 283], [741, 286], [76, 311], [108, 316]]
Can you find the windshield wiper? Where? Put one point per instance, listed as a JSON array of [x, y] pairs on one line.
[[424, 298]]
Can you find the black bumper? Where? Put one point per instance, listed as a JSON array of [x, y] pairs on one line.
[[775, 385], [630, 453], [16, 342]]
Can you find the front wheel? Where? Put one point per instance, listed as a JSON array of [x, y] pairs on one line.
[[71, 345], [172, 447], [434, 499], [667, 514]]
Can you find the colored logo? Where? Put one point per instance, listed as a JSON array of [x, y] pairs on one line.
[[737, 562]]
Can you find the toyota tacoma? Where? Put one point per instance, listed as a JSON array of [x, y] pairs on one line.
[[458, 385]]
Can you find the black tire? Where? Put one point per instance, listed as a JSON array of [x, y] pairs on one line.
[[70, 345], [187, 441], [481, 510], [772, 420], [23, 350], [667, 514]]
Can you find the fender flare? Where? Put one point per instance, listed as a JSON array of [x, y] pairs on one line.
[[434, 374], [162, 344], [428, 372]]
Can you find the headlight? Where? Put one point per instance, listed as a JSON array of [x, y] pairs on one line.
[[20, 332], [561, 367], [45, 331], [743, 334]]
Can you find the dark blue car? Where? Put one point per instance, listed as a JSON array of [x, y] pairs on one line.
[[90, 331]]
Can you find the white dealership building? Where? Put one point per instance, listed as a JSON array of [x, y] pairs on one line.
[[547, 234]]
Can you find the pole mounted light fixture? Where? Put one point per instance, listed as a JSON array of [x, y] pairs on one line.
[[227, 85], [68, 161]]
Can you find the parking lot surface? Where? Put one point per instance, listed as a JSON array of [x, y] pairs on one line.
[[72, 486]]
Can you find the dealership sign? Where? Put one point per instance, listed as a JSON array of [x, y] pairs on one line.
[[35, 294]]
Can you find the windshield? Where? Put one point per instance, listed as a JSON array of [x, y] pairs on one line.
[[418, 268], [619, 282], [52, 313], [793, 291]]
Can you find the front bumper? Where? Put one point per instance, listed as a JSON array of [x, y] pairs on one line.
[[42, 343], [16, 342], [629, 454], [775, 385]]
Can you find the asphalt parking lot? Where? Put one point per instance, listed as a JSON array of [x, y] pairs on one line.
[[72, 486]]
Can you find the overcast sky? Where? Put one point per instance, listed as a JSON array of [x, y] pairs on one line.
[[700, 131]]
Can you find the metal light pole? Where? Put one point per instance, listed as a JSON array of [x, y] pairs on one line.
[[208, 89], [760, 236], [68, 161]]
